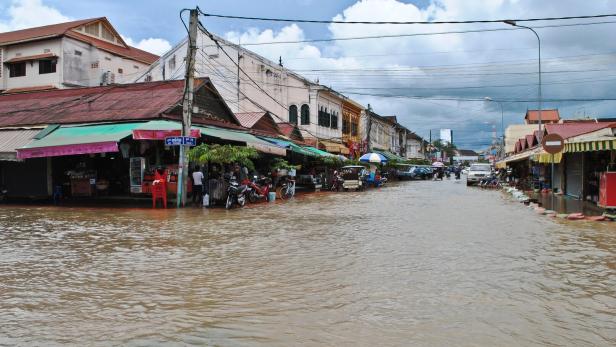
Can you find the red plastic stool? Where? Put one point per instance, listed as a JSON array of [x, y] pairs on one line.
[[159, 191]]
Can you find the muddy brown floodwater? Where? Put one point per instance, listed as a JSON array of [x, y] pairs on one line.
[[414, 263]]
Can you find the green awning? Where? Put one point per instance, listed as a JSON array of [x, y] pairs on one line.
[[319, 152], [390, 156], [82, 139], [239, 136], [290, 145]]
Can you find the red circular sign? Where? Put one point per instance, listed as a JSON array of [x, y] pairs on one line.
[[553, 143]]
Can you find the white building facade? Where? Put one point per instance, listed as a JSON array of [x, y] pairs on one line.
[[257, 85]]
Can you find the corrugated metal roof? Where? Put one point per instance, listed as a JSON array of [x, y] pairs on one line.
[[567, 130], [11, 139], [248, 119], [128, 102]]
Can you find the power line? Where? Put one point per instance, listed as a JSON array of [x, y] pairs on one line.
[[479, 99], [422, 34], [258, 87], [404, 22]]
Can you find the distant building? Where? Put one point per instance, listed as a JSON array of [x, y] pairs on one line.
[[547, 117], [446, 136], [415, 146], [465, 155], [83, 53]]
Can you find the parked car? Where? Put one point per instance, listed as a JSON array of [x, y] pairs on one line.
[[421, 173], [404, 171], [477, 172]]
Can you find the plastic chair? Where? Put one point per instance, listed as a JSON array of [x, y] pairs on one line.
[[159, 191]]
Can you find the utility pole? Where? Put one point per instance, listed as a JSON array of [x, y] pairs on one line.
[[187, 106], [368, 127]]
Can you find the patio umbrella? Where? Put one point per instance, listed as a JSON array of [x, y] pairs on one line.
[[438, 164], [373, 158]]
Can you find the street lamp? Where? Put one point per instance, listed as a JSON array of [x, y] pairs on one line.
[[489, 99], [513, 23]]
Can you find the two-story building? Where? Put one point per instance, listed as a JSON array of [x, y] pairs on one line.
[[251, 83], [81, 53], [415, 146]]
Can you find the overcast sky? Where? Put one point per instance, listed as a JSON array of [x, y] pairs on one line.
[[577, 61]]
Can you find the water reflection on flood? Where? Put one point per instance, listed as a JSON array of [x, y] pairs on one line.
[[415, 263]]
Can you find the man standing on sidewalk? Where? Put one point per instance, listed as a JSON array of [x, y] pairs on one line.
[[197, 177]]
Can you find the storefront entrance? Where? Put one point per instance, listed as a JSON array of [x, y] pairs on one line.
[[574, 174]]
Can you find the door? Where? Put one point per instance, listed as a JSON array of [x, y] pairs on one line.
[[574, 174]]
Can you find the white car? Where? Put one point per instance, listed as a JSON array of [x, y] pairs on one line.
[[477, 172]]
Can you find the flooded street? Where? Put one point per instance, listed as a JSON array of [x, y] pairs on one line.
[[414, 263]]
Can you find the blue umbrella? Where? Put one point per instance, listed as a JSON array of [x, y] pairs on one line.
[[373, 158]]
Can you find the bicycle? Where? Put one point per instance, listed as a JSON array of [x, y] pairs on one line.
[[286, 190]]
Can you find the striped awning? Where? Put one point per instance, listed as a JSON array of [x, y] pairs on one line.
[[546, 158], [591, 146]]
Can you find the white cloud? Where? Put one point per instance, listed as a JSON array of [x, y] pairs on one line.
[[152, 45], [30, 13], [23, 14], [459, 60]]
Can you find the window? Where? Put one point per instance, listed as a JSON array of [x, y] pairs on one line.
[[354, 128], [334, 120], [108, 58], [305, 111], [320, 120], [120, 70], [135, 67], [324, 117], [148, 78], [77, 52], [47, 66], [346, 126], [293, 114], [94, 65], [17, 70], [172, 64]]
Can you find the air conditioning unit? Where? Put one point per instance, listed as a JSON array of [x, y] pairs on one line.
[[108, 78]]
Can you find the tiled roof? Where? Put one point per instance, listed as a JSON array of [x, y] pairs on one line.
[[128, 51], [546, 115], [139, 101], [64, 29], [567, 130], [530, 141], [289, 130], [42, 32]]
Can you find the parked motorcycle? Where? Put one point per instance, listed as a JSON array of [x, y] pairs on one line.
[[236, 193], [337, 182], [258, 189]]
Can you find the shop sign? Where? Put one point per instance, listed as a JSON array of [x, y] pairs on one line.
[[553, 143], [180, 140]]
